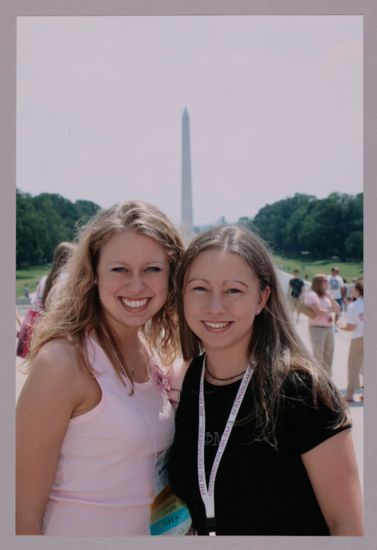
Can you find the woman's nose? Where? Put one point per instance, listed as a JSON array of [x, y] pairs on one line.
[[135, 284], [215, 303]]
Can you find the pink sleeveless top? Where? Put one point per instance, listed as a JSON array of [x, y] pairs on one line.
[[104, 480]]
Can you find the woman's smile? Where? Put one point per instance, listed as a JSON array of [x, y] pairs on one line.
[[217, 326], [135, 305]]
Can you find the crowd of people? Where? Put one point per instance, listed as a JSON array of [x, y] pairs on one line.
[[169, 393], [330, 296]]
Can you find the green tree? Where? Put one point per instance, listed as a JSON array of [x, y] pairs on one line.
[[272, 221], [327, 227], [85, 210], [29, 237], [354, 246], [55, 225], [45, 220], [327, 224]]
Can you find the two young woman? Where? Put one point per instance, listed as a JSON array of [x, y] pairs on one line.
[[262, 444]]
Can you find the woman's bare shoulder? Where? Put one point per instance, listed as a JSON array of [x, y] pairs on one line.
[[55, 379], [57, 357]]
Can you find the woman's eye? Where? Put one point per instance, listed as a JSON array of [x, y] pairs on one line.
[[233, 291], [153, 269], [199, 288], [119, 269]]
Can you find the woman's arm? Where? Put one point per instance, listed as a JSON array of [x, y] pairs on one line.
[[318, 309], [313, 302], [44, 409], [347, 327], [332, 470], [334, 304]]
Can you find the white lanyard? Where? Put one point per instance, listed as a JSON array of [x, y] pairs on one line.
[[208, 496]]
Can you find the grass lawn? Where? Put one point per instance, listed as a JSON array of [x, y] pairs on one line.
[[29, 276], [311, 266]]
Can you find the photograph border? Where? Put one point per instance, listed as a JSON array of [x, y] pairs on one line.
[[9, 11]]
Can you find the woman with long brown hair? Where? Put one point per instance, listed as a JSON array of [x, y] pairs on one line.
[[263, 444]]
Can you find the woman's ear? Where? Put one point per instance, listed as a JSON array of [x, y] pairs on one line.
[[263, 297]]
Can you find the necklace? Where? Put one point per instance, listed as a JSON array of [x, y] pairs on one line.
[[139, 366], [223, 379]]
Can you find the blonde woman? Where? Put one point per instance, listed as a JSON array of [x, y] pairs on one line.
[[92, 418]]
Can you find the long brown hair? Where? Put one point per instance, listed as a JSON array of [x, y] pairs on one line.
[[274, 343], [317, 284], [74, 305]]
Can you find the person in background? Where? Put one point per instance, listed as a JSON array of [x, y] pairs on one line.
[[93, 417], [61, 255], [321, 330], [18, 323], [25, 332], [26, 291], [337, 290], [296, 287], [262, 443], [355, 323], [345, 302], [36, 297], [349, 291]]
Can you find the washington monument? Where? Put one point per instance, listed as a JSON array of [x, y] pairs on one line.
[[186, 197]]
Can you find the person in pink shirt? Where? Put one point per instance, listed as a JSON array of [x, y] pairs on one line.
[[321, 329], [93, 417]]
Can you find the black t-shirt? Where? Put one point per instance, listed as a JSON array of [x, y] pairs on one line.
[[259, 490], [296, 285]]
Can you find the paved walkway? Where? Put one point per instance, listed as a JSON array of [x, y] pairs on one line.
[[342, 340]]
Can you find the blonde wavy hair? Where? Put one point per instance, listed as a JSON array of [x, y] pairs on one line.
[[73, 307]]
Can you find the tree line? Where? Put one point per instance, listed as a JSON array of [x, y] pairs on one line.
[[43, 221], [324, 228]]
